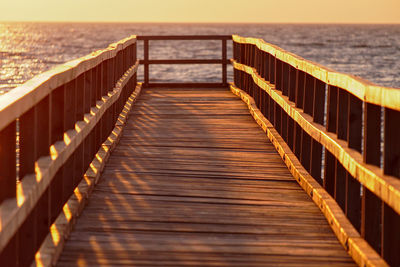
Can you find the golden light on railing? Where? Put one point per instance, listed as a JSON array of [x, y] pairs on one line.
[[55, 234], [38, 172], [67, 139], [78, 194], [53, 152], [67, 212], [93, 168], [87, 180], [20, 194], [38, 260]]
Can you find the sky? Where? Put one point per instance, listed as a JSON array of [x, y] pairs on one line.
[[240, 11]]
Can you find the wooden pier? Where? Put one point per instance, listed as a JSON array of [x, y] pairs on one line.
[[284, 166]]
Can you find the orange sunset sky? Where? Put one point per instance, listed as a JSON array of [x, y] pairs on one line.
[[260, 11]]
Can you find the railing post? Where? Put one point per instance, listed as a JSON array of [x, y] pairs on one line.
[[146, 62], [371, 207], [79, 154], [69, 123], [57, 134], [8, 158], [300, 80], [342, 114], [27, 144], [391, 166], [319, 102], [285, 78], [308, 97], [224, 57]]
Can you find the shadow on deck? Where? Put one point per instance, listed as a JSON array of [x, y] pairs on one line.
[[194, 181]]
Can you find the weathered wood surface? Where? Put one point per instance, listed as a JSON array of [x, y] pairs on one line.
[[194, 181]]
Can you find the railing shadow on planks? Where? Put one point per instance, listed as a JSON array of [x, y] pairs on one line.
[[50, 130], [332, 124]]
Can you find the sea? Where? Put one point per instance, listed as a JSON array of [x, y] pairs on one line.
[[369, 51]]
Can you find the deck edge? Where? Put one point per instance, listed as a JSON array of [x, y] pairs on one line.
[[53, 244], [361, 252]]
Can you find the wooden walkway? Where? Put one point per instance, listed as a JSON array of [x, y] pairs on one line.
[[194, 181]]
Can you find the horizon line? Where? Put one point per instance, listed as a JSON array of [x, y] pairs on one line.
[[199, 22]]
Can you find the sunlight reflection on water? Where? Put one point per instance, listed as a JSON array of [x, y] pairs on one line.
[[369, 51]]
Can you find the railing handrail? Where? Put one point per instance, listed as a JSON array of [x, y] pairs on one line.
[[363, 89], [184, 37], [223, 61], [22, 98]]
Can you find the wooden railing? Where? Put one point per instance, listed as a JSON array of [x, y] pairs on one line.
[[50, 129], [323, 114], [146, 61]]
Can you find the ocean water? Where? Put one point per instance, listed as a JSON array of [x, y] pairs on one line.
[[369, 51]]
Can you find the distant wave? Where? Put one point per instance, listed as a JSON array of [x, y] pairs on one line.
[[52, 62], [314, 44], [5, 54], [370, 46]]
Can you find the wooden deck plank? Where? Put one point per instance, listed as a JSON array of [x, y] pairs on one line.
[[193, 182]]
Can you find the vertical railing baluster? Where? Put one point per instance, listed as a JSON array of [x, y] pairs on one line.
[[266, 68], [285, 78], [297, 140], [278, 74], [391, 166], [316, 162], [354, 138], [290, 133], [284, 125], [36, 222], [292, 83], [41, 215], [300, 80], [390, 235], [305, 155], [308, 97], [8, 156], [79, 153], [272, 104], [224, 65], [319, 102], [146, 62], [271, 69], [340, 185], [69, 123], [342, 114], [277, 118], [341, 131], [331, 113], [27, 144], [371, 221], [57, 134], [371, 227], [8, 255]]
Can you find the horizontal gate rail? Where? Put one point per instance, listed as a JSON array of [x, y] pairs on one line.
[[146, 61], [51, 127], [332, 123]]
